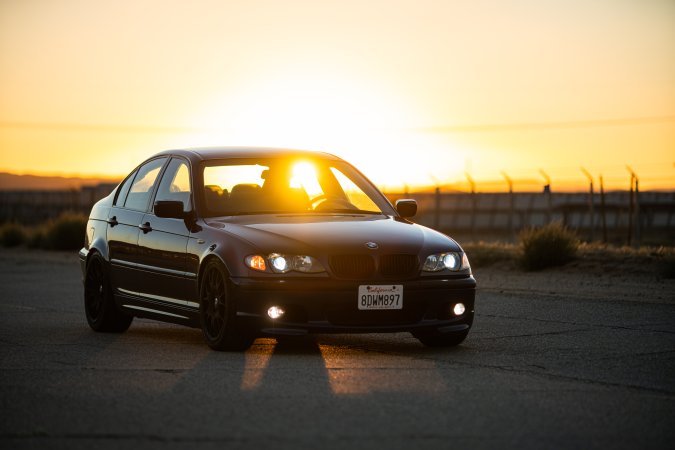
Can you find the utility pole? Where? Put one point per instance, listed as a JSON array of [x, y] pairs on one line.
[[590, 202], [547, 193]]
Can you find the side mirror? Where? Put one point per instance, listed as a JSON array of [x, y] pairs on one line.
[[171, 209], [406, 207]]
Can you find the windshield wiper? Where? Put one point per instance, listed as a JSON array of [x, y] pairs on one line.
[[350, 211], [328, 211]]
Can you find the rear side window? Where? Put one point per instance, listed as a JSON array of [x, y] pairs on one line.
[[143, 185], [124, 190]]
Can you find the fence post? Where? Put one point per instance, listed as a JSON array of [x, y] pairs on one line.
[[547, 192], [638, 215], [509, 181], [473, 206], [590, 202], [437, 213], [631, 206], [603, 212]]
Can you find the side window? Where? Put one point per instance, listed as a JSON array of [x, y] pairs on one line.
[[175, 184], [124, 190], [141, 189]]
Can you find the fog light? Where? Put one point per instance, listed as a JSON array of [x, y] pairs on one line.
[[458, 309], [275, 312]]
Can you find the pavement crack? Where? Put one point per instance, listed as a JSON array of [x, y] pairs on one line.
[[40, 434], [569, 295], [634, 355], [547, 333], [566, 322], [16, 344]]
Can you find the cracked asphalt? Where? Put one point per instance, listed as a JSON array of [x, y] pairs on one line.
[[555, 360]]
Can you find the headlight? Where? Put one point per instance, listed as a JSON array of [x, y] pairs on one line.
[[284, 263], [279, 263], [453, 261]]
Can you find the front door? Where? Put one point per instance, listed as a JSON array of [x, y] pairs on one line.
[[162, 243], [124, 222]]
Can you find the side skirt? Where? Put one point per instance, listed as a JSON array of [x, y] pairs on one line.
[[157, 310]]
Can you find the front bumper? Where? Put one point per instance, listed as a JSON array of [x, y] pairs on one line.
[[82, 256], [329, 306]]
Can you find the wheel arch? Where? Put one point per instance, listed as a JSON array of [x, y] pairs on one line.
[[205, 262], [93, 252]]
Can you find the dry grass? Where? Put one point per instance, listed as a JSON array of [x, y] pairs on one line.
[[486, 254], [592, 258], [607, 258], [12, 235], [63, 233]]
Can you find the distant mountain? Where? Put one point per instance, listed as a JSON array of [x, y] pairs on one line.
[[11, 182]]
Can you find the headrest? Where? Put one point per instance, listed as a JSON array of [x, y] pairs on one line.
[[245, 188], [214, 188]]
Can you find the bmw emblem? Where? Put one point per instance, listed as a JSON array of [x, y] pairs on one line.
[[372, 245]]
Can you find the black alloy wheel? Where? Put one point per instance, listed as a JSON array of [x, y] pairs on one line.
[[217, 312], [99, 304]]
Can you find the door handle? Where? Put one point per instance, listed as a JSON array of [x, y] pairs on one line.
[[145, 227], [113, 221]]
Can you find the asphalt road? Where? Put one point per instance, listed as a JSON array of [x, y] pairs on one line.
[[539, 370]]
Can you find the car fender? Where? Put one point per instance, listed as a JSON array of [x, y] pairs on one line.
[[97, 238]]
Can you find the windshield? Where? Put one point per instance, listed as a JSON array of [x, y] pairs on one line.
[[245, 186]]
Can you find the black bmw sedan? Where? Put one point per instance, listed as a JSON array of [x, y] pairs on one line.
[[244, 242]]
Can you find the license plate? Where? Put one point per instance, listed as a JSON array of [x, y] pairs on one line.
[[374, 297]]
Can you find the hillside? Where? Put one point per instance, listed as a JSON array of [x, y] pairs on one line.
[[11, 182]]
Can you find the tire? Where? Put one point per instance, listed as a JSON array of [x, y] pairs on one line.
[[218, 313], [102, 313], [436, 339]]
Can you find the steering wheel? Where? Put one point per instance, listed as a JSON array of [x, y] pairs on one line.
[[328, 202], [317, 199]]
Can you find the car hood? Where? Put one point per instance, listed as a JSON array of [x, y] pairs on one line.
[[344, 234]]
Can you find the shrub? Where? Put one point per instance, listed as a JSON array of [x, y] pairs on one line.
[[37, 237], [12, 235], [547, 246], [66, 232]]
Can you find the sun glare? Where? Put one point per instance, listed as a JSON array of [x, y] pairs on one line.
[[304, 176], [347, 116]]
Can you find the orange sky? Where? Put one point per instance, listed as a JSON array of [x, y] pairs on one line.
[[415, 92]]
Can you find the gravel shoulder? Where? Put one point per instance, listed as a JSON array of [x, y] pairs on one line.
[[596, 284]]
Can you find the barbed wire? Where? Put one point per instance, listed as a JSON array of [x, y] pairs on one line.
[[585, 123]]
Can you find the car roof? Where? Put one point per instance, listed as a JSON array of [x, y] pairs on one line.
[[211, 153]]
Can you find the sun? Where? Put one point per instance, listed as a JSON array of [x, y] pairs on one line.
[[348, 116]]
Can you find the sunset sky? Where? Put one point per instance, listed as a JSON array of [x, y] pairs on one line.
[[415, 92]]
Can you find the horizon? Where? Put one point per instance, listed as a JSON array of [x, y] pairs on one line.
[[484, 187]]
